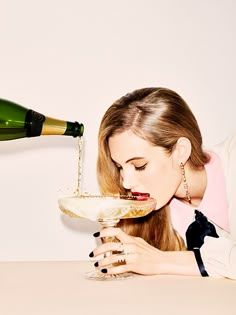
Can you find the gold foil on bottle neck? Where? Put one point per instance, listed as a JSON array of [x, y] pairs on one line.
[[53, 126]]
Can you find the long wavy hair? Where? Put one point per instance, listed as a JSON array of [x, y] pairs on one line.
[[159, 116]]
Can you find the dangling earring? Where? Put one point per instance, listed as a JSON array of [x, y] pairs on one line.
[[188, 197]]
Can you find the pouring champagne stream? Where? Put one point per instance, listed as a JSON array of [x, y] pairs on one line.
[[108, 210]]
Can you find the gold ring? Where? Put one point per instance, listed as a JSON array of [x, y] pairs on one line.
[[122, 261]]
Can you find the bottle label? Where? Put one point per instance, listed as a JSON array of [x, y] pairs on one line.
[[34, 123]]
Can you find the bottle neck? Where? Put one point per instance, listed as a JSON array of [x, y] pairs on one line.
[[74, 129], [38, 124], [54, 126]]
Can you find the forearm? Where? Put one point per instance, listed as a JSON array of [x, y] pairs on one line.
[[219, 257]]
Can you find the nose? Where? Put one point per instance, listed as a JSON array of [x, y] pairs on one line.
[[126, 185], [127, 180]]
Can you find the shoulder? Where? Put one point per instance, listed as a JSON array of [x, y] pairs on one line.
[[226, 150], [227, 144]]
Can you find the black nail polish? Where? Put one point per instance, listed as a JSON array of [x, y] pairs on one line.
[[96, 264], [91, 254], [96, 234], [104, 270]]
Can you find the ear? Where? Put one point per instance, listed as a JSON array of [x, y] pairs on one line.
[[182, 150]]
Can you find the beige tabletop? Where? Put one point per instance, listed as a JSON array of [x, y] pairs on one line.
[[60, 288]]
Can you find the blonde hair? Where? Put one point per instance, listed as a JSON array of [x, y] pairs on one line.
[[161, 117]]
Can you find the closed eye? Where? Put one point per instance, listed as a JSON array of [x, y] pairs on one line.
[[137, 168], [140, 168]]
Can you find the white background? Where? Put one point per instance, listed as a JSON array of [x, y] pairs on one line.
[[71, 59]]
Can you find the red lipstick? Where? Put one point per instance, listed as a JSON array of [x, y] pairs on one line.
[[140, 196]]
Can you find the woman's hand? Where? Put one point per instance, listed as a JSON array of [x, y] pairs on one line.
[[132, 254]]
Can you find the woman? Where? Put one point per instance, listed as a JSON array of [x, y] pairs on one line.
[[150, 142]]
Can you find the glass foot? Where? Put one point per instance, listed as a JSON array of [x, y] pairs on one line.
[[100, 276]]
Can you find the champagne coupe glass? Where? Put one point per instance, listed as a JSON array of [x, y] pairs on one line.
[[108, 211]]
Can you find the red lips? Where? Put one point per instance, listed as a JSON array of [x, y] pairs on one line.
[[140, 196]]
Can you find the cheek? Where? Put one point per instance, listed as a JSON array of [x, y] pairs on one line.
[[162, 184]]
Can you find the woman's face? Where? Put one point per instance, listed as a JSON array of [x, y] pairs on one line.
[[145, 168]]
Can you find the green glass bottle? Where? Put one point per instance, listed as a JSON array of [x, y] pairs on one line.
[[16, 122]]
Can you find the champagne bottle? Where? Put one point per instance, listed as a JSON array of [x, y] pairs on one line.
[[17, 121]]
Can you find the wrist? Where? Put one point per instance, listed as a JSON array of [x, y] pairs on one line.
[[179, 263]]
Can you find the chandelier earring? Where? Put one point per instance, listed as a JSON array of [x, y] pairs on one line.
[[188, 197]]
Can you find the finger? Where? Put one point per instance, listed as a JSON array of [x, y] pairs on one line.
[[108, 250], [115, 270], [115, 260], [115, 232]]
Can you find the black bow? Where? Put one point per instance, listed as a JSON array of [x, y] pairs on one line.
[[197, 231]]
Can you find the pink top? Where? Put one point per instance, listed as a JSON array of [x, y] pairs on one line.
[[213, 205]]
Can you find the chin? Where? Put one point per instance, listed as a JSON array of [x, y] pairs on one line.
[[158, 204]]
